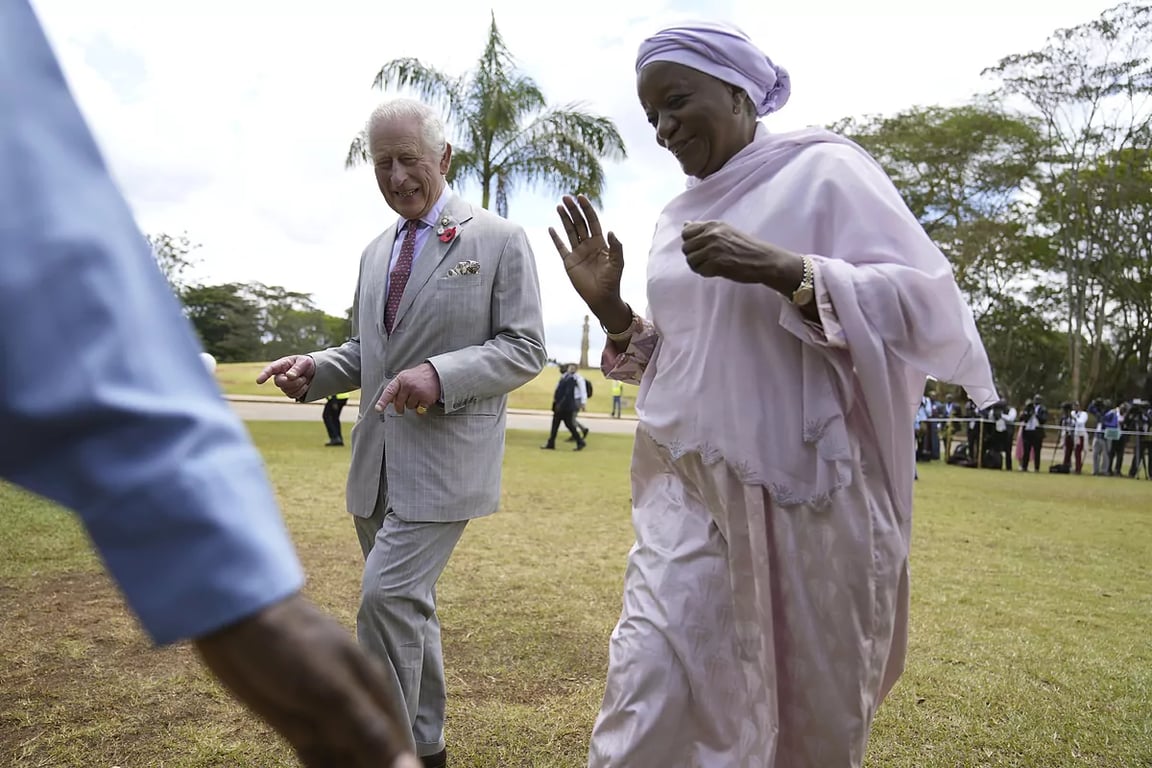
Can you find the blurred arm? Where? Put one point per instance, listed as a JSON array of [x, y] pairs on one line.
[[105, 406]]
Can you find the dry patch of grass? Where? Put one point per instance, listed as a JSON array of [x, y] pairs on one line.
[[1032, 598]]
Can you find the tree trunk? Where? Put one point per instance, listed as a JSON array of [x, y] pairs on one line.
[[1097, 344]]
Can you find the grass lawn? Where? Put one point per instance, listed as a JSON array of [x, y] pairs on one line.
[[1031, 617], [240, 379]]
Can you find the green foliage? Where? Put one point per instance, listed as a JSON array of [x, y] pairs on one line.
[[965, 173], [1041, 197], [242, 322], [953, 164], [1027, 353], [507, 135], [226, 319], [1090, 88]]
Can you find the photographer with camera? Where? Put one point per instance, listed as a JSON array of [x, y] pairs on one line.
[[1073, 431], [1125, 425], [1005, 416], [1107, 430], [972, 429], [1136, 421], [1035, 416]]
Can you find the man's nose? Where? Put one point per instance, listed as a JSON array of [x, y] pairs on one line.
[[399, 175]]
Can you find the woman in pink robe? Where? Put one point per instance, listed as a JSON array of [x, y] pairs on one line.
[[796, 307]]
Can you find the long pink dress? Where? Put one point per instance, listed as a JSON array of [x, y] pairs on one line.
[[766, 597]]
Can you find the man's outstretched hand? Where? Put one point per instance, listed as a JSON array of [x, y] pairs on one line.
[[300, 671], [292, 374]]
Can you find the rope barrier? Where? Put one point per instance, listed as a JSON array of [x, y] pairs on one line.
[[965, 420]]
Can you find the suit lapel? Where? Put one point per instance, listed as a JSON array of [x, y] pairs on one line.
[[433, 254]]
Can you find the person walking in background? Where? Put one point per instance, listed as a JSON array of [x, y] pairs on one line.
[[565, 402], [583, 392], [331, 416], [110, 410]]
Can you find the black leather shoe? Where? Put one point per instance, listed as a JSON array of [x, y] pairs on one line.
[[438, 760]]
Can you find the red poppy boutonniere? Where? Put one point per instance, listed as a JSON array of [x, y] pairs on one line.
[[446, 231]]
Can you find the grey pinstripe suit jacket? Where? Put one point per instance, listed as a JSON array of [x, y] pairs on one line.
[[484, 334]]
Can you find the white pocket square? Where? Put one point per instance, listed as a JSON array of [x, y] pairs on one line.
[[465, 268]]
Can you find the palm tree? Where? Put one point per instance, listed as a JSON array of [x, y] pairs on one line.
[[508, 135]]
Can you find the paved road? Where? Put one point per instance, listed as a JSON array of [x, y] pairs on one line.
[[283, 410]]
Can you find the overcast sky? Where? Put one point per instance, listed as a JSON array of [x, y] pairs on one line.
[[230, 120]]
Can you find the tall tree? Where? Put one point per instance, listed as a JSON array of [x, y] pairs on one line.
[[965, 172], [1113, 200], [174, 257], [1026, 351], [1090, 87], [290, 321], [227, 321], [506, 134]]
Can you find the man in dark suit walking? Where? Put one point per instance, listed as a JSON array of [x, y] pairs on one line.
[[565, 403]]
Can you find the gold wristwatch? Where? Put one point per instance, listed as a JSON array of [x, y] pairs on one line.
[[806, 291]]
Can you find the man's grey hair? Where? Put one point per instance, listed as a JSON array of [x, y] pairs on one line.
[[431, 126]]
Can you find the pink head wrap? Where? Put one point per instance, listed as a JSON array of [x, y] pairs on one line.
[[724, 52]]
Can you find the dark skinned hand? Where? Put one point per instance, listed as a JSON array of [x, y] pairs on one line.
[[300, 671], [594, 263], [716, 249]]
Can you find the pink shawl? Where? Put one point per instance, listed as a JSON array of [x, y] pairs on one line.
[[739, 376]]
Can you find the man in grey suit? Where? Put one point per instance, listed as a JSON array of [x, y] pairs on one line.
[[446, 322]]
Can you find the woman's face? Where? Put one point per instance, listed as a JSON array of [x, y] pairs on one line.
[[702, 121]]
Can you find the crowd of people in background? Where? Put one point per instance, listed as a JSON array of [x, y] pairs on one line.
[[1103, 435]]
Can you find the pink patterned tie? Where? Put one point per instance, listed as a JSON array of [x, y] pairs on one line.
[[400, 273]]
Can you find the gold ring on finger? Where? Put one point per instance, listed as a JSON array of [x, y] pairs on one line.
[[421, 409]]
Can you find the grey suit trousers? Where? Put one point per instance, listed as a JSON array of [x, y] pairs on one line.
[[397, 621]]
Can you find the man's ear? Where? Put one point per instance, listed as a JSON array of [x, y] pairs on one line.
[[446, 160]]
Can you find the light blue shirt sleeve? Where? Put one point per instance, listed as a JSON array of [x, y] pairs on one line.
[[105, 406]]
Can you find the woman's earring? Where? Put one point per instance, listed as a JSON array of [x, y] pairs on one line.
[[736, 108]]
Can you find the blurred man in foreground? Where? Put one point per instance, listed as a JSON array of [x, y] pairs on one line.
[[106, 408]]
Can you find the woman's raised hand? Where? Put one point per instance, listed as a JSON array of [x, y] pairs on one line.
[[594, 263]]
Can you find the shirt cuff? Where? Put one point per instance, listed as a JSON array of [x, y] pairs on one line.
[[200, 548], [628, 364]]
